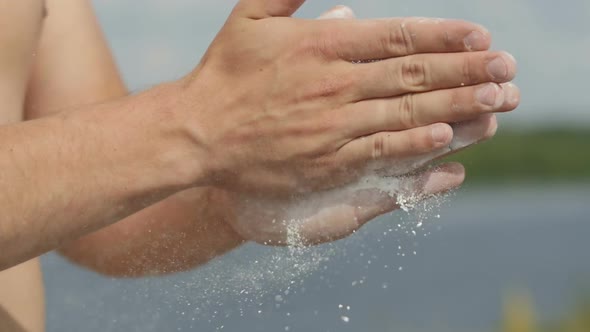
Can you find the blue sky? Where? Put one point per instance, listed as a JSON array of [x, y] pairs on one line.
[[160, 40]]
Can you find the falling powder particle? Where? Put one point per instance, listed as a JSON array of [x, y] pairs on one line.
[[281, 270]]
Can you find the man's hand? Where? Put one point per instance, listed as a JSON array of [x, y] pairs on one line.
[[277, 105], [283, 108], [329, 215], [175, 234]]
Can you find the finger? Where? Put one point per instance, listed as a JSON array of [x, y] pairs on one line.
[[338, 12], [427, 72], [386, 38], [350, 208], [468, 133], [389, 145], [258, 9], [422, 109], [465, 134], [437, 180], [344, 217], [470, 102]]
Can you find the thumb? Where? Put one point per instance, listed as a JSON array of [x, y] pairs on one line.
[[258, 9], [340, 212]]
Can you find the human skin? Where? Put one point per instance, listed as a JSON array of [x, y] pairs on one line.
[[286, 115], [329, 215], [172, 219], [21, 287], [171, 236]]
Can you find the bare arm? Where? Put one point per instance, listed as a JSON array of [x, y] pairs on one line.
[[75, 67], [275, 107], [21, 287], [73, 173], [18, 49]]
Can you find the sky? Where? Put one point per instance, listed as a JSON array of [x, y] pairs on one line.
[[161, 40]]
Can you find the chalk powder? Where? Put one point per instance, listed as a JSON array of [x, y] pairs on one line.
[[264, 283], [280, 272]]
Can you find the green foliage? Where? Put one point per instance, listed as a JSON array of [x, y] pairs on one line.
[[545, 155]]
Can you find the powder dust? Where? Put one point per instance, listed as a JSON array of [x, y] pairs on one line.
[[262, 277]]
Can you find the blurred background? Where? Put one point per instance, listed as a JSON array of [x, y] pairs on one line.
[[507, 252]]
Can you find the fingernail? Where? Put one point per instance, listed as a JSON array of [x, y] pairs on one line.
[[475, 41], [490, 95], [440, 133], [338, 12], [512, 93], [498, 68], [471, 132], [511, 57], [346, 12]]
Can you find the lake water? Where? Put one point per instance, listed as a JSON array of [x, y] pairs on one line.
[[486, 242]]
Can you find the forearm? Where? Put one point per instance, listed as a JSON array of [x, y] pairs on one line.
[[183, 231], [280, 108], [180, 232], [76, 172]]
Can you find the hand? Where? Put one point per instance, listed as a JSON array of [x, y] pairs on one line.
[[465, 134], [326, 216], [283, 109]]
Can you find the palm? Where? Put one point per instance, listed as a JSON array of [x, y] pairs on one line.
[[330, 215]]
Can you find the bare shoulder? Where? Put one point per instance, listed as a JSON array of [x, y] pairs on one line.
[[21, 24], [21, 287], [22, 298]]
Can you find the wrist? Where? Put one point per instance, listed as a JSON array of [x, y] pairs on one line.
[[181, 150], [149, 138]]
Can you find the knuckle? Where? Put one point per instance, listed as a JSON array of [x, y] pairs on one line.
[[467, 72], [319, 44], [457, 106], [399, 40], [333, 85], [448, 42], [379, 146], [310, 48], [407, 114], [414, 74]]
